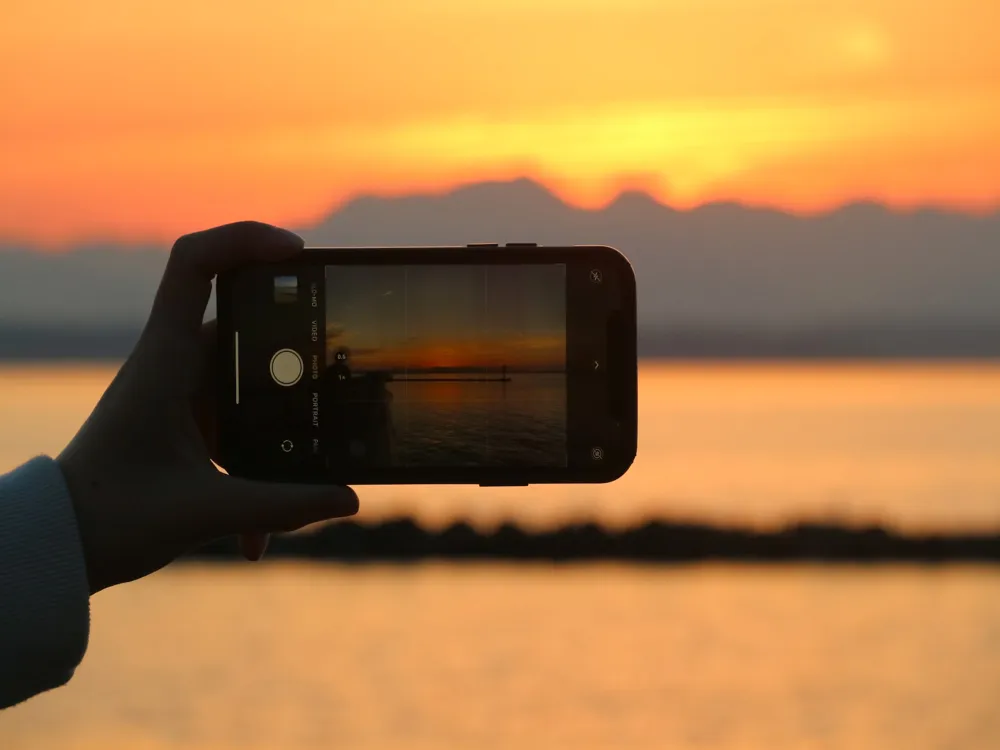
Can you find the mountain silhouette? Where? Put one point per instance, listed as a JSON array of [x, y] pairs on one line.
[[721, 279]]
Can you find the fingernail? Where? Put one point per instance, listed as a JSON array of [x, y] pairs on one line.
[[289, 238], [356, 506], [341, 504]]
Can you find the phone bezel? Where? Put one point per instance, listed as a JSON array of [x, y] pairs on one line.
[[626, 368]]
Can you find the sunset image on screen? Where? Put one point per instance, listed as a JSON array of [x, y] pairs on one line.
[[458, 318], [447, 365]]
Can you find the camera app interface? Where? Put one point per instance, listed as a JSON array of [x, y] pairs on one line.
[[443, 366]]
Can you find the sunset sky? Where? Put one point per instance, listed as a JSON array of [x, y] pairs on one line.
[[141, 120], [453, 316]]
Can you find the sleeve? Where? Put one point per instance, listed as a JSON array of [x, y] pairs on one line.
[[44, 593]]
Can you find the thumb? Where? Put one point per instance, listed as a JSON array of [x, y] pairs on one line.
[[253, 546], [245, 506]]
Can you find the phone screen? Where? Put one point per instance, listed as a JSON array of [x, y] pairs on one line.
[[417, 371], [445, 365]]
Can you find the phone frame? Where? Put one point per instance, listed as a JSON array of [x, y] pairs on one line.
[[622, 375]]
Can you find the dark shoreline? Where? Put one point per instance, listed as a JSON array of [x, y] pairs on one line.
[[660, 542], [25, 342]]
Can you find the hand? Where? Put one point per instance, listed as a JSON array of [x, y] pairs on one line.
[[139, 471]]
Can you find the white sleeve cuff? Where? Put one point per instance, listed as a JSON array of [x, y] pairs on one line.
[[44, 592]]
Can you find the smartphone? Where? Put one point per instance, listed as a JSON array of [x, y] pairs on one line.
[[482, 364]]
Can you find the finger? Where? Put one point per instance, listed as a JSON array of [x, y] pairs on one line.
[[243, 506], [204, 396], [253, 546], [197, 258]]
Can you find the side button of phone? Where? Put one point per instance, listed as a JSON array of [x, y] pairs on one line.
[[483, 244], [522, 244]]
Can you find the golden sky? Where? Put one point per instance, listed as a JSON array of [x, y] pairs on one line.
[[141, 120], [459, 316], [516, 353]]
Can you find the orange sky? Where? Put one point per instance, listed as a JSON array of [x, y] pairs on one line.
[[520, 353], [139, 120]]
